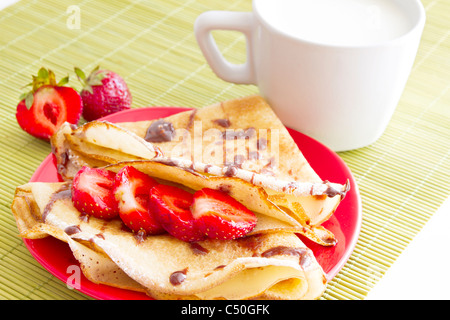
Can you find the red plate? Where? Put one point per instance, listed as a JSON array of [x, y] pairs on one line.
[[57, 258]]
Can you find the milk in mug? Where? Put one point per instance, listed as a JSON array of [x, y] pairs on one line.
[[337, 22]]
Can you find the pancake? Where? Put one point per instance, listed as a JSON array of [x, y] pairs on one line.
[[271, 265], [238, 147], [213, 145]]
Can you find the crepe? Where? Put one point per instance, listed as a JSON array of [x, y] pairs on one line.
[[266, 265], [239, 146]]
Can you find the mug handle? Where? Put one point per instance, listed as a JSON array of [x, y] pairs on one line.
[[226, 20]]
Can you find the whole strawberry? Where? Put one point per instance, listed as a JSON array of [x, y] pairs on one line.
[[48, 105], [104, 92]]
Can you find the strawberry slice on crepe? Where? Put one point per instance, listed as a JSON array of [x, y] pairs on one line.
[[92, 193], [131, 191], [172, 208], [220, 216]]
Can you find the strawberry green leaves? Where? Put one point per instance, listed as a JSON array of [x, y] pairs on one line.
[[94, 79], [44, 77]]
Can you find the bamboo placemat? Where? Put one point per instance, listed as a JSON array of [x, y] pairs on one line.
[[403, 177]]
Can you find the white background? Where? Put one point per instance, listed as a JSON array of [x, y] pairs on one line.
[[420, 273]]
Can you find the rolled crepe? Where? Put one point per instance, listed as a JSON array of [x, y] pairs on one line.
[[268, 265], [262, 160]]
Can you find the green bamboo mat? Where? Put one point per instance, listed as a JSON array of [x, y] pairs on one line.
[[403, 177]]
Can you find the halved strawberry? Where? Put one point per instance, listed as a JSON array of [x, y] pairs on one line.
[[48, 105], [131, 192], [220, 216], [92, 193], [172, 208]]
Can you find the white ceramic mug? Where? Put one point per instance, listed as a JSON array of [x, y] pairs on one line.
[[338, 82]]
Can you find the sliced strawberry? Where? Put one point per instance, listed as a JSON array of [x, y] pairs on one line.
[[131, 192], [48, 105], [220, 216], [172, 208], [92, 193]]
